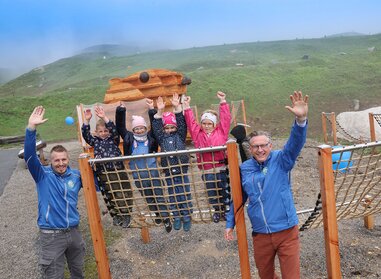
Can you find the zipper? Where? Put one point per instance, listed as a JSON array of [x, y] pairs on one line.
[[262, 207], [67, 204]]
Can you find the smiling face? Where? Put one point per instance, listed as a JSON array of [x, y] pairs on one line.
[[260, 147], [59, 161], [169, 129], [139, 130], [102, 131], [207, 125]]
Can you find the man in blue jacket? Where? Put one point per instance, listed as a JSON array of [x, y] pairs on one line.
[[58, 218], [266, 185]]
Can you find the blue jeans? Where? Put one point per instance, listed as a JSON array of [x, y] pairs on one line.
[[180, 196], [152, 190], [217, 188]]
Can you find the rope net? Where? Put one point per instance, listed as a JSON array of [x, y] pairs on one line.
[[196, 189], [342, 131], [377, 117], [357, 184]]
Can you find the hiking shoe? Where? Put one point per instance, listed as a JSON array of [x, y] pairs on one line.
[[117, 220], [187, 225], [223, 216], [216, 217], [126, 221], [158, 219], [177, 224], [167, 225]]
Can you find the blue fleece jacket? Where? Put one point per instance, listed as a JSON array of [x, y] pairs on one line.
[[267, 187], [57, 194]]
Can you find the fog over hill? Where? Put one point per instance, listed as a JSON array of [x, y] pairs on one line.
[[19, 68]]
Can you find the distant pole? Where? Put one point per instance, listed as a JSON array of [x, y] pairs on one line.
[[324, 127]]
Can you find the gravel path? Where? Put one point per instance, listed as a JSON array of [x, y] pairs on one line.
[[200, 253]]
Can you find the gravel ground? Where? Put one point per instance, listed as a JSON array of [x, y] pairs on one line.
[[200, 253]]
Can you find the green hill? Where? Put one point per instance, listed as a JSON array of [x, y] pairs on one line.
[[333, 71]]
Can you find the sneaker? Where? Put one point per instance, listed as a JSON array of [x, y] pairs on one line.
[[187, 225], [126, 221], [216, 217], [177, 224], [167, 225], [117, 220]]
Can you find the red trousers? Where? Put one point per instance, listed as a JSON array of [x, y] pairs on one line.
[[286, 245]]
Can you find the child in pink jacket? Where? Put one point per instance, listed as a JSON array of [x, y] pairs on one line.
[[212, 133]]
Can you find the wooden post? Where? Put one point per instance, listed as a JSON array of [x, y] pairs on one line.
[[93, 213], [333, 123], [327, 190], [233, 108], [369, 219], [244, 114], [324, 127], [239, 213], [371, 126], [145, 235]]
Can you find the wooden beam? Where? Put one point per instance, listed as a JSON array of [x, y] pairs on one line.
[[327, 190], [239, 213], [94, 217]]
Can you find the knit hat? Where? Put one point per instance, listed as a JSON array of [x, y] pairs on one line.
[[138, 121], [209, 116], [169, 119]]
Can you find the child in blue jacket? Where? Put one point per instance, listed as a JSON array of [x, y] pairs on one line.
[[137, 142], [170, 130], [106, 145]]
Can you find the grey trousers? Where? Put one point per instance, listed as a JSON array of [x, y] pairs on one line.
[[54, 247]]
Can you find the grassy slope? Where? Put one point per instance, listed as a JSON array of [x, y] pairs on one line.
[[338, 70]]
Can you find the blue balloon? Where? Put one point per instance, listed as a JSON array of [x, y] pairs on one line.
[[69, 120], [344, 163]]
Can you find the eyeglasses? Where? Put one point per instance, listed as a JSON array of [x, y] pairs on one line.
[[257, 146]]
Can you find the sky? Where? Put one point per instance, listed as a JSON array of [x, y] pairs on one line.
[[35, 33]]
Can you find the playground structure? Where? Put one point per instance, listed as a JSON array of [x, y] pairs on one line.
[[348, 191], [134, 89], [331, 128], [351, 191]]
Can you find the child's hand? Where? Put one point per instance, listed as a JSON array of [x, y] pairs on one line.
[[222, 96], [186, 102], [160, 103], [149, 103], [175, 100], [99, 111], [88, 114]]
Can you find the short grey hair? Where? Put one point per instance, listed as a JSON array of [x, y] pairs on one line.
[[258, 133]]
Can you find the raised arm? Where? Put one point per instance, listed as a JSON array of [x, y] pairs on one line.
[[120, 120], [225, 116], [30, 156], [297, 138]]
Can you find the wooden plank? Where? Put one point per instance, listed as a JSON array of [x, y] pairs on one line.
[[93, 213], [331, 234], [239, 213]]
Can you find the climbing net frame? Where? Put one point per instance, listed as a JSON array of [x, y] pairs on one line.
[[334, 128], [350, 182], [94, 217], [372, 118]]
